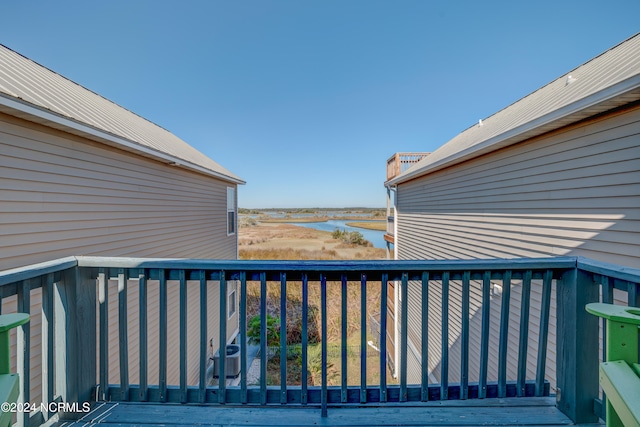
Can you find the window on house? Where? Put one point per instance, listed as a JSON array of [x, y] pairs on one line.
[[231, 304], [231, 211]]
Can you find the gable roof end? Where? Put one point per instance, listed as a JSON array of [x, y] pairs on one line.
[[609, 80], [33, 92]]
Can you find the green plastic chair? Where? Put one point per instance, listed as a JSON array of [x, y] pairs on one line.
[[9, 383], [620, 373]]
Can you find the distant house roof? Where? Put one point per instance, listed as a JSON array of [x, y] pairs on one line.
[[33, 92], [607, 81]]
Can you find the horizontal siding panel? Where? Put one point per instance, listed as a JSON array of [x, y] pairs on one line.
[[567, 150], [63, 195], [573, 192], [100, 231], [584, 223], [23, 140], [620, 241]]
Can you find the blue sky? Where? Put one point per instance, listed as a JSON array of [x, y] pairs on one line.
[[305, 100]]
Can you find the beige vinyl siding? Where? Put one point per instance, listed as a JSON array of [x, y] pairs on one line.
[[575, 192], [63, 195]]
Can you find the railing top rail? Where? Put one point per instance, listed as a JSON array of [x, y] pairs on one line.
[[615, 271], [332, 266], [406, 153], [36, 270]]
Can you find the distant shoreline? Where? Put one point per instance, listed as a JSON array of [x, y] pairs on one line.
[[321, 219]]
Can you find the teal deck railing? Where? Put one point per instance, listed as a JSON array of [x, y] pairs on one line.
[[76, 308]]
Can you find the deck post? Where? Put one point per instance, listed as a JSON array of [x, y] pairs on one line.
[[577, 350], [75, 332]]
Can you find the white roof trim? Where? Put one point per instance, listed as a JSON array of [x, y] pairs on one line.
[[78, 128], [511, 136], [608, 81]]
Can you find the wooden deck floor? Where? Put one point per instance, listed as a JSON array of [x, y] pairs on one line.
[[492, 412]]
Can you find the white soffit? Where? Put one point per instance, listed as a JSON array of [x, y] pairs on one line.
[[33, 92], [607, 81]]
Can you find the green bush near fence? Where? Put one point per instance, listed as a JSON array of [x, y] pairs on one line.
[[350, 237], [273, 330]]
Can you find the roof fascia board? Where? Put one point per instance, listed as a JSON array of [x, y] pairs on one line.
[[99, 135], [510, 137]]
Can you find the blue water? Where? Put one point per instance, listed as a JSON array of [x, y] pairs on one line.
[[374, 236]]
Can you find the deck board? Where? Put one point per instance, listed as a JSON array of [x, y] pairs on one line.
[[509, 411]]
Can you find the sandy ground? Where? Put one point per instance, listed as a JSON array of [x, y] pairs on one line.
[[287, 236]]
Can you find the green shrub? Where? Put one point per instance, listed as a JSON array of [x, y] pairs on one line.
[[273, 330], [350, 237]]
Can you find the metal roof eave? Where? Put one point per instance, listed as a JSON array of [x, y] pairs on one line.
[[52, 119], [527, 130]]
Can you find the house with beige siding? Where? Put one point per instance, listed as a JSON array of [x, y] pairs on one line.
[[81, 175], [555, 173]]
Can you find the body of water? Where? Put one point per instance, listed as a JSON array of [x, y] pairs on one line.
[[374, 236], [307, 215]]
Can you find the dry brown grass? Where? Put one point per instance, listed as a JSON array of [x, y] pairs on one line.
[[370, 225], [287, 254], [289, 242]]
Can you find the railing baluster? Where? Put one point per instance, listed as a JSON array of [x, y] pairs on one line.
[[283, 338], [444, 374], [633, 296], [47, 340], [103, 298], [424, 393], [545, 309], [323, 309], [607, 290], [222, 351], [24, 356], [243, 334], [343, 336], [305, 331], [525, 302], [504, 334], [204, 321], [183, 336], [607, 297], [363, 338], [263, 338], [484, 339], [162, 323], [404, 291], [123, 335], [384, 283], [144, 354], [464, 356]]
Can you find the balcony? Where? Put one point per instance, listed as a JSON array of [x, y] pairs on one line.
[[400, 162], [77, 296]]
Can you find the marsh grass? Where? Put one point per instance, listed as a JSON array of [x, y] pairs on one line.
[[334, 329], [254, 245], [370, 225], [287, 254]]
